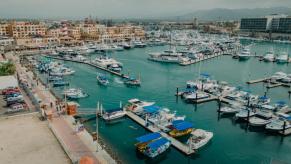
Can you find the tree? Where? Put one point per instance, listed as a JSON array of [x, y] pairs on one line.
[[7, 69]]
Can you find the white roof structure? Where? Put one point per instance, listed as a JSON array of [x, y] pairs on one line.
[[8, 81]]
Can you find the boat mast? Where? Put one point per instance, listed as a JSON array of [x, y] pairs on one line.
[[97, 130]]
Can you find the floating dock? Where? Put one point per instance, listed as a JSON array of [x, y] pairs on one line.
[[90, 64], [272, 84], [258, 81], [186, 149]]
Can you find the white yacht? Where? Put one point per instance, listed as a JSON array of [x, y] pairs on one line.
[[136, 105], [168, 56], [113, 114], [232, 109], [199, 138], [107, 62], [62, 72], [278, 76], [278, 123], [269, 57], [245, 54], [284, 58], [242, 114], [261, 118], [195, 96], [74, 93]]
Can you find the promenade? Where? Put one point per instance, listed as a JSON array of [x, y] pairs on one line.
[[76, 145]]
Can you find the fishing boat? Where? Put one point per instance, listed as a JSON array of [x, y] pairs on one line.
[[74, 93], [261, 118], [132, 82], [278, 123], [242, 114], [152, 144], [102, 79], [281, 59], [135, 105], [269, 57], [181, 128], [199, 138], [60, 83], [245, 54], [113, 114]]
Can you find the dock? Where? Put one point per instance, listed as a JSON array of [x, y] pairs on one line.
[[174, 142], [90, 64], [228, 52], [258, 80], [272, 84]]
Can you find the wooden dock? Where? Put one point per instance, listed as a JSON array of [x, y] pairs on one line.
[[210, 98], [175, 143], [90, 64]]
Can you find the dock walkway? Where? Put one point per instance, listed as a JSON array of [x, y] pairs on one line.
[[177, 144]]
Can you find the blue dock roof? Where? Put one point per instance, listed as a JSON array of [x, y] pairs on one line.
[[151, 109], [148, 137], [183, 125], [158, 143]]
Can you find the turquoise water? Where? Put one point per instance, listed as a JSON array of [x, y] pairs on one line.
[[232, 142]]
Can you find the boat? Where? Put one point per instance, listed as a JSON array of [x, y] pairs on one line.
[[102, 79], [115, 67], [113, 114], [152, 145], [54, 78], [74, 93], [59, 83], [195, 96], [278, 123], [169, 56], [232, 109], [126, 46], [199, 138], [132, 82], [181, 128], [269, 57], [139, 44], [108, 63], [62, 72], [244, 113], [245, 54], [135, 105], [278, 76], [261, 118], [281, 59]]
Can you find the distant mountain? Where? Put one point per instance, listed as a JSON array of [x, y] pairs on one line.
[[234, 14]]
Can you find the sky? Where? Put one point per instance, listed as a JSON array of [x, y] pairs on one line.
[[121, 8]]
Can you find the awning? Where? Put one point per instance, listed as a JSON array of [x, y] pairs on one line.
[[151, 109], [158, 143], [183, 125], [148, 137]]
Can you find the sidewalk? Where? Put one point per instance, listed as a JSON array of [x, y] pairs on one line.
[[72, 143]]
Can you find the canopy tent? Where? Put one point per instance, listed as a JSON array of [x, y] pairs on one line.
[[158, 143], [183, 125], [148, 137], [151, 109]]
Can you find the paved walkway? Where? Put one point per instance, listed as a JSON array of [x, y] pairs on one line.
[[71, 142]]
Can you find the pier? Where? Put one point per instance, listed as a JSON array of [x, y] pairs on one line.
[[90, 64], [272, 84], [177, 144], [258, 80]]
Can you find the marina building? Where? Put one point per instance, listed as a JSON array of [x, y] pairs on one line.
[[26, 29]]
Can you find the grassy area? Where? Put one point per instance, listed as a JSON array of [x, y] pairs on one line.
[[7, 69]]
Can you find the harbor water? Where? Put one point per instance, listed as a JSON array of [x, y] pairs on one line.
[[232, 142]]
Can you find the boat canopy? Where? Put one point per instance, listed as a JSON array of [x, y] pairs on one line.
[[151, 109], [285, 116], [183, 125], [205, 75], [158, 143], [113, 110], [263, 98], [148, 137], [177, 121], [281, 103]]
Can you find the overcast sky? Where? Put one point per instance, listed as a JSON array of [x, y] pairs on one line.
[[121, 8]]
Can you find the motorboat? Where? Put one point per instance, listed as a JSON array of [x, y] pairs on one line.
[[62, 72], [245, 54], [136, 105], [139, 44], [60, 83], [281, 59], [278, 76], [108, 63], [102, 79], [74, 93], [180, 128], [132, 82], [113, 114], [152, 144], [195, 96], [261, 118], [199, 138], [232, 109], [244, 113], [168, 56], [278, 123], [269, 57]]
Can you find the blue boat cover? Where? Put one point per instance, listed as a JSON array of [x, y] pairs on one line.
[[113, 110], [205, 74], [158, 143], [177, 121], [148, 137], [183, 125], [281, 102], [151, 109], [263, 98]]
